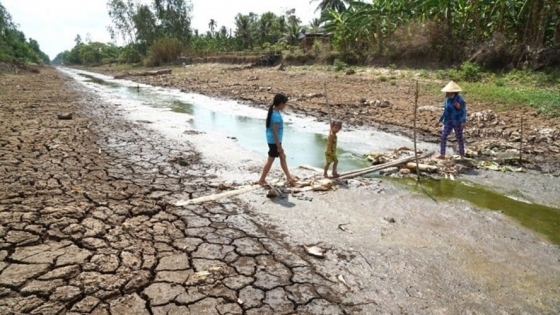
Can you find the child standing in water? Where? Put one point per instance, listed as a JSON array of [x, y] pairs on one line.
[[330, 151], [274, 134]]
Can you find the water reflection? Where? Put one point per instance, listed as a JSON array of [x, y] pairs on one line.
[[543, 219]]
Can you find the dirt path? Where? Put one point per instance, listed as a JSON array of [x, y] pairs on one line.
[[86, 227], [366, 99]]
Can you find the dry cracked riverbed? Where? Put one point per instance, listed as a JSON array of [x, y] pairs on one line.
[[86, 228]]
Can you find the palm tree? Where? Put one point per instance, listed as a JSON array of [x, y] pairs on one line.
[[212, 25], [337, 5], [291, 36], [314, 25], [223, 31], [264, 27], [243, 29]]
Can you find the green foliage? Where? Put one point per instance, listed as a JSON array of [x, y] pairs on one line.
[[339, 65], [130, 54], [545, 100], [370, 27], [13, 44], [500, 82], [468, 71], [93, 53]]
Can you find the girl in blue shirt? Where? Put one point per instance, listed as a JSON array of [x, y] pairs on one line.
[[274, 134], [454, 117]]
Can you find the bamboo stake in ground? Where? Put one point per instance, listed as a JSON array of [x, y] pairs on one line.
[[328, 105], [521, 144], [414, 131]]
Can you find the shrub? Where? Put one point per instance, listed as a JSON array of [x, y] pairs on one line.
[[470, 71], [339, 65], [164, 50]]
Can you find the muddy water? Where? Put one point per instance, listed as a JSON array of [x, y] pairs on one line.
[[540, 218]]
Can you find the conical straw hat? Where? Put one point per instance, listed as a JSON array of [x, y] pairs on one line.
[[451, 87]]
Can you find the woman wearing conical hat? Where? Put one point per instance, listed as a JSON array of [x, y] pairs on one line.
[[454, 117]]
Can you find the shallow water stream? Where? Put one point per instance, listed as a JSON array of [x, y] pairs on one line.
[[177, 112], [542, 219]]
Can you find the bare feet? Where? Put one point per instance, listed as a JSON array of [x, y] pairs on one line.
[[262, 183], [293, 181], [440, 157], [326, 175], [335, 175]]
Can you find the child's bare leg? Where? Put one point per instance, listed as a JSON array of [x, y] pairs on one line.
[[326, 169], [266, 169], [334, 171], [285, 168]]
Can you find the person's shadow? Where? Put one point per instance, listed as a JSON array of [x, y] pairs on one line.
[[282, 198], [283, 201]]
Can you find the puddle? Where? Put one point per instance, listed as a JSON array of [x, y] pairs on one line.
[[542, 219], [93, 79]]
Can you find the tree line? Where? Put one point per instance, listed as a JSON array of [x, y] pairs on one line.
[[14, 46], [493, 33]]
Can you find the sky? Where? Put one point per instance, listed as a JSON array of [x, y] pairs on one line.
[[55, 23]]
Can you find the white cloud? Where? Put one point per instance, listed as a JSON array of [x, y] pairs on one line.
[[55, 23]]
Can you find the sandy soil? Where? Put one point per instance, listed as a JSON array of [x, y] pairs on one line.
[[88, 226], [365, 99]]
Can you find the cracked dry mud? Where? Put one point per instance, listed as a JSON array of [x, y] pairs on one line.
[[86, 226]]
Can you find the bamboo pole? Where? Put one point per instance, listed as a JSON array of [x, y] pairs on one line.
[[379, 167], [214, 197], [521, 143], [365, 169], [414, 131], [328, 105]]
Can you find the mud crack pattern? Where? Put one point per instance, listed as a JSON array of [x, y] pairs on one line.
[[87, 226]]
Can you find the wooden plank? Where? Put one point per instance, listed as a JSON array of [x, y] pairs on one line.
[[311, 168], [369, 169], [379, 167], [214, 197]]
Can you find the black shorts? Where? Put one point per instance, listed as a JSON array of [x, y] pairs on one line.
[[273, 150]]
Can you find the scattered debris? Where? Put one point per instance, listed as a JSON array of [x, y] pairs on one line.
[[341, 279], [273, 193], [142, 74], [341, 227], [65, 116], [179, 160], [315, 251], [389, 219], [193, 132], [322, 185], [223, 186]]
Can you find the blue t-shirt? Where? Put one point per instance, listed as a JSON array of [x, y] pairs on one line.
[[276, 118]]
